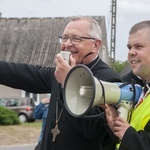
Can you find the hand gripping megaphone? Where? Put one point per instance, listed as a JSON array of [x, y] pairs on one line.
[[82, 91]]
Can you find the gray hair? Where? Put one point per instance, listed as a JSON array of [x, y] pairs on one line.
[[95, 30]]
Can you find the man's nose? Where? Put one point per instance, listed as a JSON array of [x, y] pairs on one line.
[[132, 52]]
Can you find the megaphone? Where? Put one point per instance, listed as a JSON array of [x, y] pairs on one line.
[[82, 91]]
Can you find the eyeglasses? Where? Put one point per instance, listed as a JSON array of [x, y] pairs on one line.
[[74, 39]]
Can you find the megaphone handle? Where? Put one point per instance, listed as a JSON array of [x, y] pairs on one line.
[[124, 109]]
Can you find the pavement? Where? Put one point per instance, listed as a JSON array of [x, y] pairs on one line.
[[18, 147]]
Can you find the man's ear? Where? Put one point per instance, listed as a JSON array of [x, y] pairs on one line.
[[97, 45]]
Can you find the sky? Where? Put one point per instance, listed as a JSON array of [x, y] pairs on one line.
[[129, 12]]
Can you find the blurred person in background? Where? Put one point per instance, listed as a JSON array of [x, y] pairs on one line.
[[40, 112]]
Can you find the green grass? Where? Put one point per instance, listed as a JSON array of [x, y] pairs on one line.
[[31, 124]]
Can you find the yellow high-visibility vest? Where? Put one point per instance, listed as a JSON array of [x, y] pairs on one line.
[[140, 116]]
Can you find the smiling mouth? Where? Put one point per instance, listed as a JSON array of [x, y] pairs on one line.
[[73, 52], [134, 61]]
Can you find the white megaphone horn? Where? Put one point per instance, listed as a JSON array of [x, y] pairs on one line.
[[82, 91]]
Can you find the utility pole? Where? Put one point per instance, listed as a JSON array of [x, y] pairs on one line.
[[113, 31]]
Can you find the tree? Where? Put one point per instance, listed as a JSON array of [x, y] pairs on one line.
[[120, 65]]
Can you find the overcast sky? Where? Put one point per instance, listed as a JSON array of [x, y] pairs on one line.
[[129, 12]]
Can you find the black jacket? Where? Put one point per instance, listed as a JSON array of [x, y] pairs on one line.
[[130, 77], [75, 133], [140, 140]]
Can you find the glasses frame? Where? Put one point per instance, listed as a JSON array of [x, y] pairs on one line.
[[71, 39]]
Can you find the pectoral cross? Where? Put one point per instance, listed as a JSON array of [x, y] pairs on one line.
[[55, 131]]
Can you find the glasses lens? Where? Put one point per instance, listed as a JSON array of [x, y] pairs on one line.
[[76, 40], [64, 38]]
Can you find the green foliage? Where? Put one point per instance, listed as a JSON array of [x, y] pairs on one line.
[[120, 65], [8, 117]]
